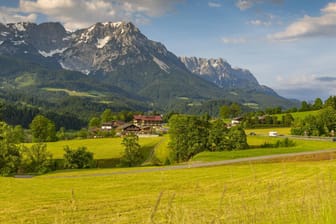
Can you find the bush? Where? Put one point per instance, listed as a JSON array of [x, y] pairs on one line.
[[285, 143], [280, 143], [10, 156], [132, 155], [78, 158], [36, 159]]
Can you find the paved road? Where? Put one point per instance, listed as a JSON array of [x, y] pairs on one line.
[[198, 165]]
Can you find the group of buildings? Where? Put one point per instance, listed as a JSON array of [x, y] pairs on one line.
[[141, 125]]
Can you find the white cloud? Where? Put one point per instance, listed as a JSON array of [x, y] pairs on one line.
[[13, 15], [82, 13], [246, 4], [214, 4], [234, 40], [324, 25], [259, 22], [306, 87]]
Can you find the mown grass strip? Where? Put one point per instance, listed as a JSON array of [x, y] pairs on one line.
[[252, 193]]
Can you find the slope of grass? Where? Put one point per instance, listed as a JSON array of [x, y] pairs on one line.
[[300, 115], [103, 148], [74, 93], [301, 192], [256, 141], [162, 150]]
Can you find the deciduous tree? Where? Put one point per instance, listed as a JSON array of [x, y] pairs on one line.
[[218, 136], [77, 158], [188, 136], [10, 157], [43, 129], [132, 155], [36, 159]]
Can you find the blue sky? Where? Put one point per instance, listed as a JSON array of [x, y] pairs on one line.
[[288, 45]]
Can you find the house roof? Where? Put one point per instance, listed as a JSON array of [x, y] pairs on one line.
[[147, 118], [238, 119], [122, 127], [113, 123]]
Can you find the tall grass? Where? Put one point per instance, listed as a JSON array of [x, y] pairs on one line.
[[103, 148], [302, 192]]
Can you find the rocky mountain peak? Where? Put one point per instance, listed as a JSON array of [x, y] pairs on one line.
[[100, 34], [220, 72]]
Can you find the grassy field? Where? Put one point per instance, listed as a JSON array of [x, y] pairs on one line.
[[300, 115], [256, 141], [103, 148], [301, 192], [74, 93]]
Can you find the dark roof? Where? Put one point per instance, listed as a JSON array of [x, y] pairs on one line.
[[127, 125], [147, 118]]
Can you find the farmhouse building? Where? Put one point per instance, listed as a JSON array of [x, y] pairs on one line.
[[108, 126], [151, 121], [128, 129], [237, 120]]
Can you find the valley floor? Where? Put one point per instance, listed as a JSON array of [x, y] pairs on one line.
[[281, 192]]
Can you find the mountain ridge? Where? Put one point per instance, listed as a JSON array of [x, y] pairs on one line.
[[119, 55]]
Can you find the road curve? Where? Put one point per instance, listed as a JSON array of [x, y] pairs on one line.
[[196, 165]]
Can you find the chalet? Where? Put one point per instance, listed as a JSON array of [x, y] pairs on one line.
[[151, 121], [128, 129], [237, 120], [108, 126]]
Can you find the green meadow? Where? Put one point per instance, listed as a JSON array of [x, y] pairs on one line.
[[301, 145], [103, 148], [300, 192], [300, 115], [264, 192]]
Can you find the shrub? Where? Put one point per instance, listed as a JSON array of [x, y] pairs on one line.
[[78, 158], [132, 155], [286, 142], [36, 159], [10, 156]]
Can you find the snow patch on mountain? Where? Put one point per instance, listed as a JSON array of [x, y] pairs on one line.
[[84, 37], [4, 34], [20, 27], [52, 53], [64, 66], [102, 42], [1, 42], [86, 71], [114, 25], [161, 64], [18, 42]]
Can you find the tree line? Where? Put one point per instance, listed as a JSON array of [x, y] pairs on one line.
[[190, 135], [16, 158]]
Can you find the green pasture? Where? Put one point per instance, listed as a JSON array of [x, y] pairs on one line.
[[74, 93], [301, 192], [300, 115], [302, 145], [103, 148]]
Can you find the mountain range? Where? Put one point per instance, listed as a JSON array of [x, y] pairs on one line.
[[113, 65]]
